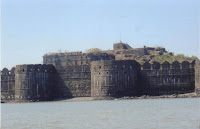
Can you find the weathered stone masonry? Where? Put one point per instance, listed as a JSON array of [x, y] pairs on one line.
[[8, 84], [34, 82], [128, 78], [166, 78], [114, 78], [77, 74], [73, 72]]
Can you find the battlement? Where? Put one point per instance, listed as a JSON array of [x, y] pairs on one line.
[[166, 78], [34, 68], [118, 78], [5, 71], [167, 65], [34, 82], [145, 66], [115, 64]]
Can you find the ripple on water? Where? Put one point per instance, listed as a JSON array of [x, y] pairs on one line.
[[126, 114]]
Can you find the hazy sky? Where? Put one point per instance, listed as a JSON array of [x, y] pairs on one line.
[[31, 28]]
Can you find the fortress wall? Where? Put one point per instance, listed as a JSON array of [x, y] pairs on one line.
[[197, 77], [34, 82], [166, 78], [114, 78], [8, 84], [74, 76], [73, 81]]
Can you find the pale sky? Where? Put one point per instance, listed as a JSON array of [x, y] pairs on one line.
[[31, 28]]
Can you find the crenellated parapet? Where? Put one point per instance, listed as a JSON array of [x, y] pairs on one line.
[[34, 82], [167, 78], [167, 65], [8, 84]]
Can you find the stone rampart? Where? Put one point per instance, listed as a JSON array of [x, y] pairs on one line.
[[127, 78], [8, 84], [34, 82], [99, 74], [114, 78], [73, 72], [166, 78]]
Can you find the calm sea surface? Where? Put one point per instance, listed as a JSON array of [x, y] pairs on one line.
[[115, 114]]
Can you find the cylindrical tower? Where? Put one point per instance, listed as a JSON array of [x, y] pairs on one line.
[[114, 78], [34, 82]]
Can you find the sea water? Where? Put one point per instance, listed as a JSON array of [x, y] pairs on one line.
[[108, 114]]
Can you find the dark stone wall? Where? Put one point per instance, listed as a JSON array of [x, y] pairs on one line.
[[114, 78], [197, 77], [34, 82], [7, 84], [73, 72], [77, 74], [128, 78], [73, 81], [166, 78]]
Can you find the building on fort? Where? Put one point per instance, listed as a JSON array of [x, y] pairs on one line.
[[113, 73]]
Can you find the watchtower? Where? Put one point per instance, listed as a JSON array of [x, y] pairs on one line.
[[121, 46], [34, 82]]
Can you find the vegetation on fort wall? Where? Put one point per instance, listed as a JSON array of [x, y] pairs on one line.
[[151, 57], [93, 50], [172, 58], [56, 53], [169, 57]]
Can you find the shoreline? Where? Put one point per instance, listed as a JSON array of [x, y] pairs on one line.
[[188, 95], [78, 99]]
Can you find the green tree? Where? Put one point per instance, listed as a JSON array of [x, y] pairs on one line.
[[93, 50]]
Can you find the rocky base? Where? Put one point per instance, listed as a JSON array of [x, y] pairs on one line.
[[188, 95]]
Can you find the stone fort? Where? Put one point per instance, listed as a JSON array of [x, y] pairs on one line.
[[113, 73]]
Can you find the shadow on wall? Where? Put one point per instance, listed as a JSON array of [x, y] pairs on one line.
[[73, 81], [62, 90]]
